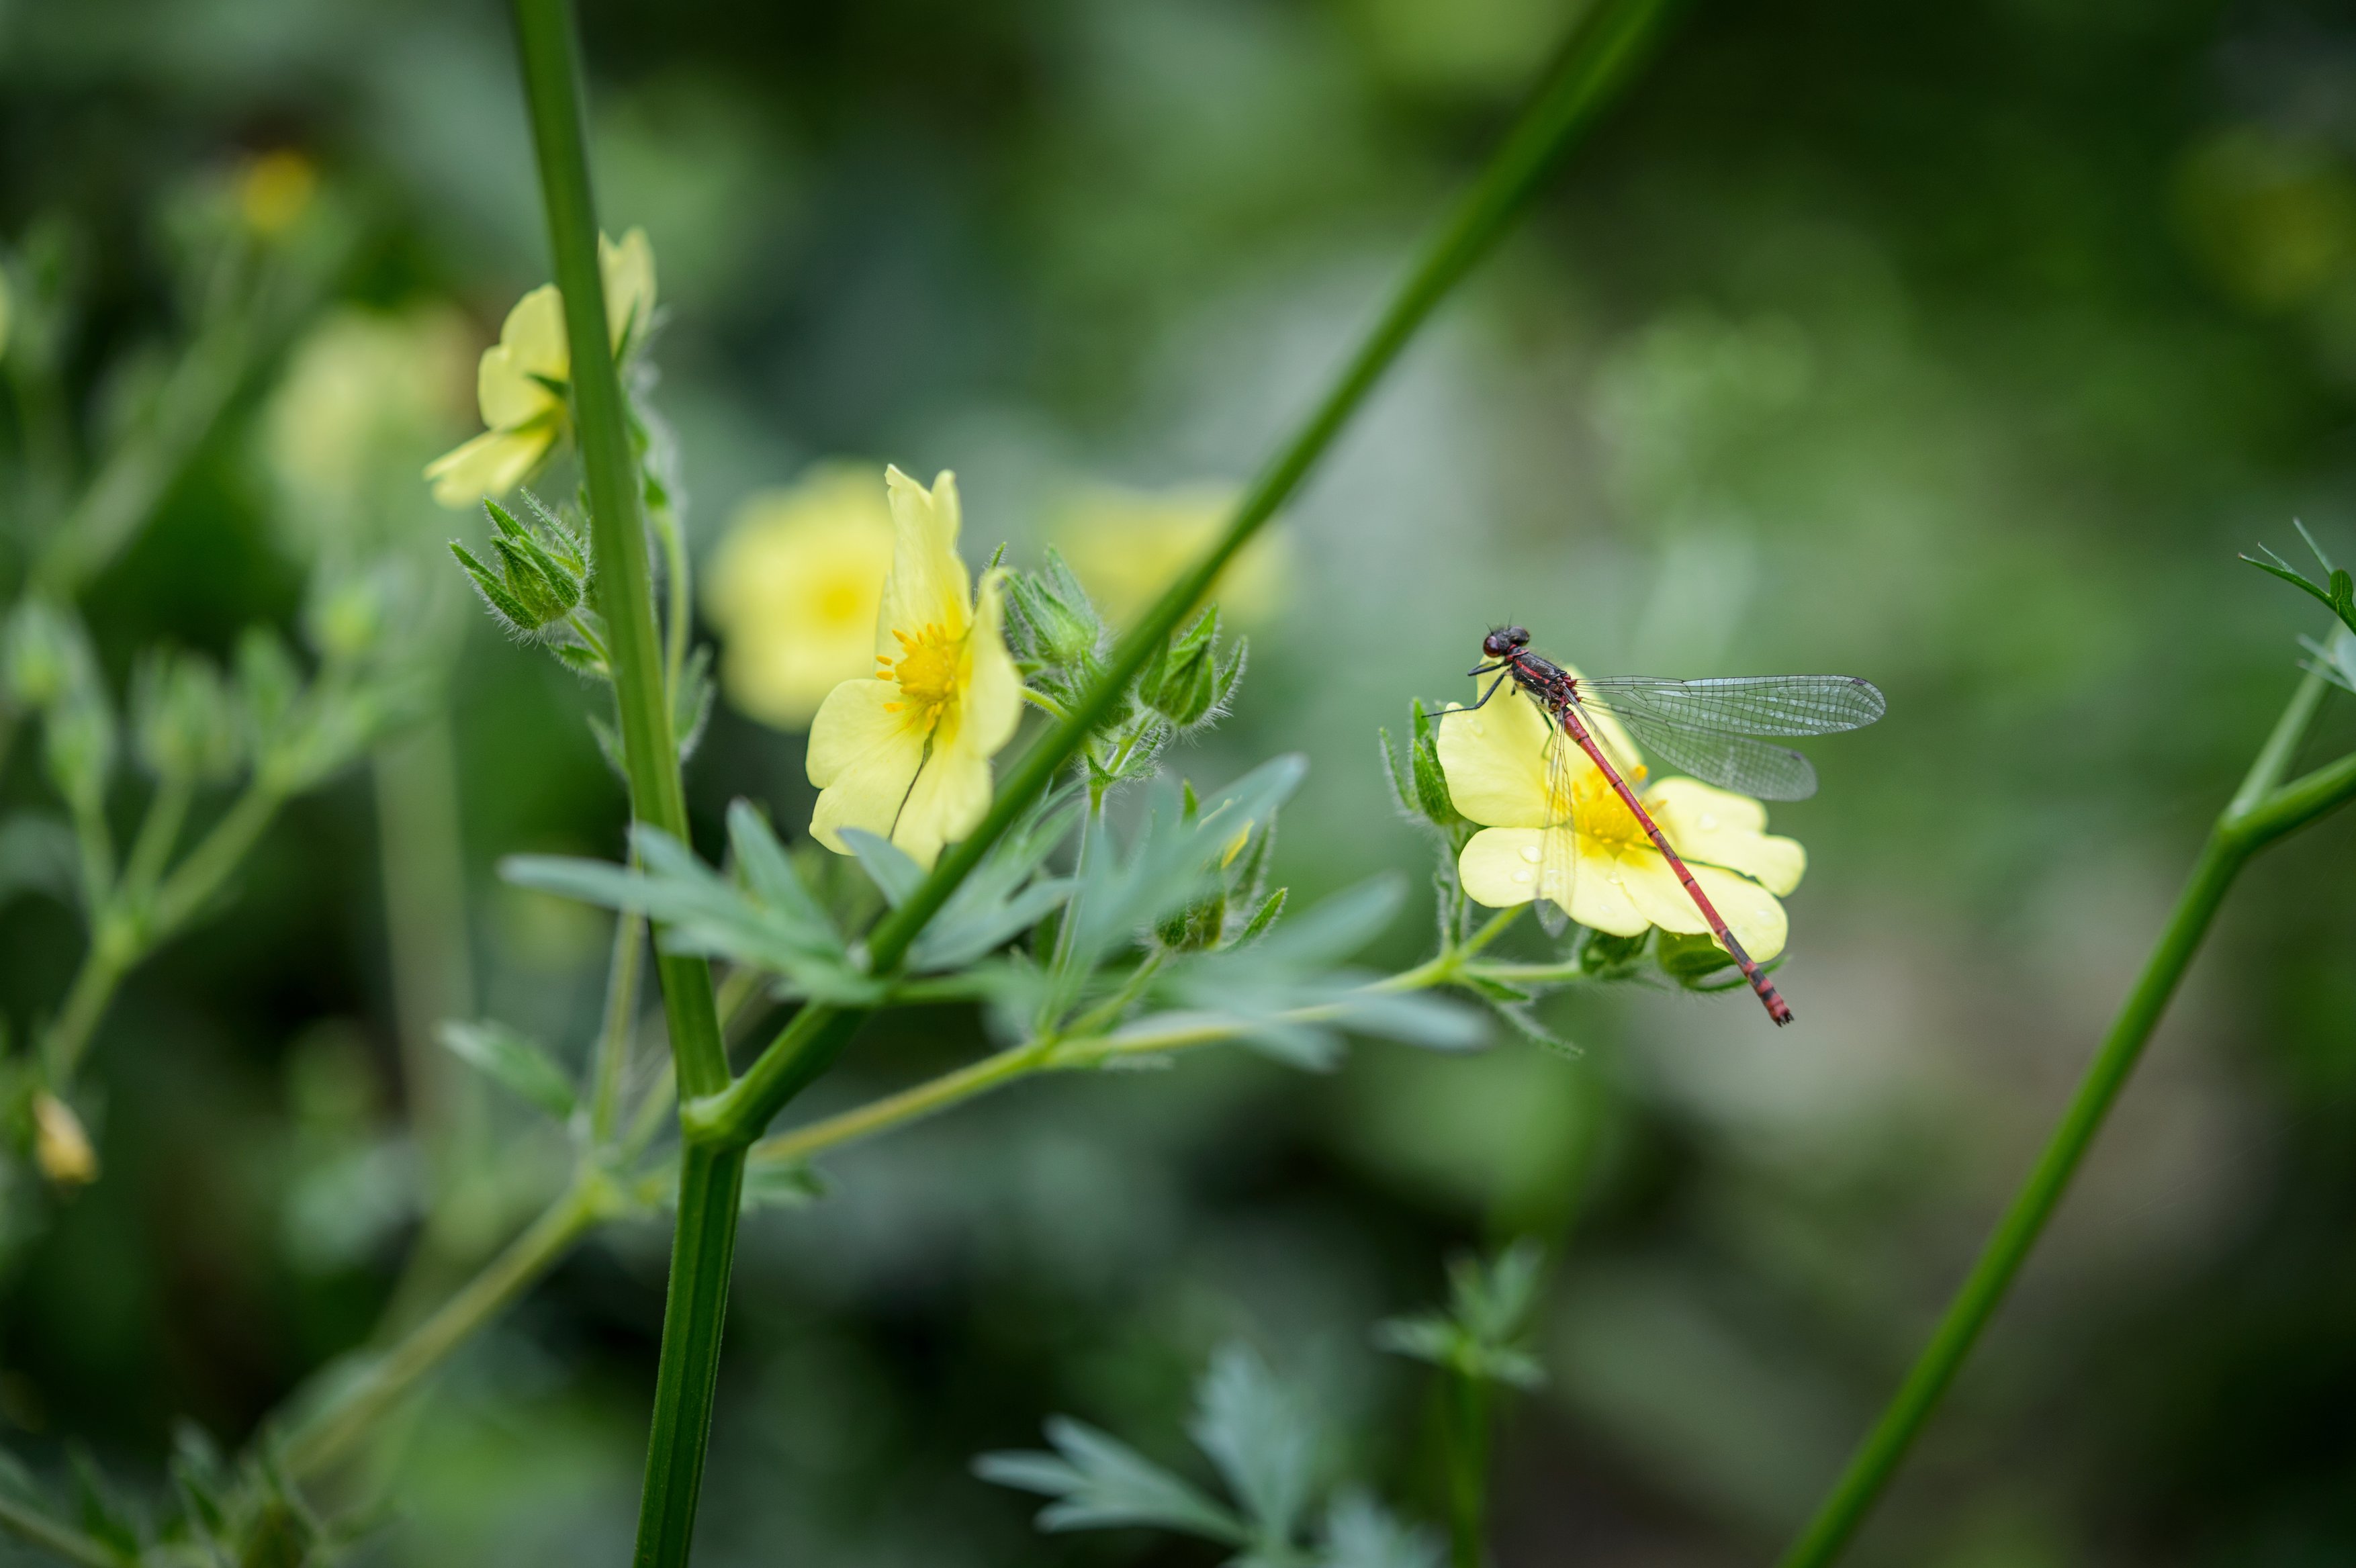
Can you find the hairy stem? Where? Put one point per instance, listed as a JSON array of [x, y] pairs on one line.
[[2262, 812], [704, 1242]]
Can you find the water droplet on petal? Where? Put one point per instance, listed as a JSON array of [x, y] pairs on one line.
[[1522, 878], [1614, 879], [1530, 853], [1478, 729], [1707, 821]]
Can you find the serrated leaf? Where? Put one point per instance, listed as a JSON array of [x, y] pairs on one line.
[[513, 1061], [1260, 1435], [1099, 1482]]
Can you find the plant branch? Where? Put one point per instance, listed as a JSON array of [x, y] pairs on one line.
[[1602, 55], [325, 1432], [2261, 813]]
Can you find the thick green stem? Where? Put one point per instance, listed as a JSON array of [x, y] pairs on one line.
[[1603, 54], [326, 1431], [704, 1242], [703, 1248], [2262, 811]]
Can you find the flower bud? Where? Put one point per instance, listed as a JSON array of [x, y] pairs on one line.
[[1052, 615], [345, 617], [81, 745], [181, 722], [1184, 686], [42, 653], [542, 574], [60, 1148]]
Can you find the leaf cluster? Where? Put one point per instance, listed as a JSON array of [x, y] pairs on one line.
[[1480, 1333], [1272, 1457]]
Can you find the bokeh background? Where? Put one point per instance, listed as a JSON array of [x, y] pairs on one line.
[[1958, 347]]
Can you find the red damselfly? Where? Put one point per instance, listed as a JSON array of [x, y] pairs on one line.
[[1711, 728]]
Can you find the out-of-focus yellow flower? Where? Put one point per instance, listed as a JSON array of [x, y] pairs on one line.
[[364, 391], [523, 380], [794, 588], [274, 190], [60, 1148], [1495, 760], [904, 753], [1127, 546]]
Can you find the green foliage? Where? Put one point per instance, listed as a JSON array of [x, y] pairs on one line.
[[2336, 592], [1271, 1453], [515, 1062], [1482, 1333]]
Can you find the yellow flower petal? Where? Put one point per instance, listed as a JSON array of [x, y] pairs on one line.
[[1723, 828], [1128, 545], [992, 704], [508, 385], [493, 464], [949, 798], [629, 271], [1495, 761], [865, 748], [928, 586], [1749, 910], [794, 587]]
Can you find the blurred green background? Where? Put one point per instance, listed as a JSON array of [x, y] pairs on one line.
[[1961, 348]]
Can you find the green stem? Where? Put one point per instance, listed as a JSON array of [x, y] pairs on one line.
[[327, 1430], [34, 1528], [159, 832], [695, 1307], [1468, 1469], [1604, 53], [217, 855], [423, 866], [704, 1245], [2262, 812]]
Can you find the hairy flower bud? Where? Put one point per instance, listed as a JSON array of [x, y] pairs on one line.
[[1190, 682], [543, 572]]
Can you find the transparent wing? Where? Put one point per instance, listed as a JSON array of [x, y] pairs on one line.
[[1742, 764], [1739, 705], [1558, 846]]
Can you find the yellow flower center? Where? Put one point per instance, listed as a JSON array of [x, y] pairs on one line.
[[1599, 813], [926, 670]]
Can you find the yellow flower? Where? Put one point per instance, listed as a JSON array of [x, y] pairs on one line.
[[1127, 546], [274, 190], [363, 390], [1495, 761], [521, 383], [60, 1148], [794, 588], [904, 753]]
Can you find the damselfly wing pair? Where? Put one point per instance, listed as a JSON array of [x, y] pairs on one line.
[[1716, 730]]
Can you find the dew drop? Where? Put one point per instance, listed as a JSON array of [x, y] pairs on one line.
[[1530, 853], [1478, 729], [1709, 821], [1522, 878], [1614, 879]]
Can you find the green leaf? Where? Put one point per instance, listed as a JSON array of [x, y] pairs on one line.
[[895, 875], [1361, 1533], [516, 1062], [1261, 1436], [779, 1184], [1099, 1483]]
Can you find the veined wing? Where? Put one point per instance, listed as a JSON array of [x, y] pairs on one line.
[[1558, 842], [1739, 705], [1742, 764]]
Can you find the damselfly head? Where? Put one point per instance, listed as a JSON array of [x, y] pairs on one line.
[[1504, 641]]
